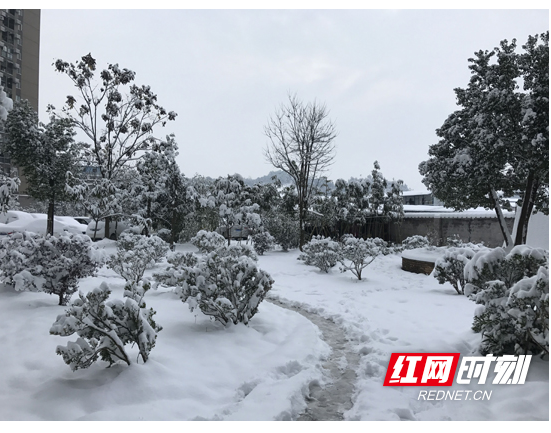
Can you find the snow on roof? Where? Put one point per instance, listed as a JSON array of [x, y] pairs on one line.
[[420, 211], [416, 192]]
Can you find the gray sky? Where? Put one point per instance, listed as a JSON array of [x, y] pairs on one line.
[[386, 76]]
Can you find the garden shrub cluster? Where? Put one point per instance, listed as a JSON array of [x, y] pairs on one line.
[[225, 284]]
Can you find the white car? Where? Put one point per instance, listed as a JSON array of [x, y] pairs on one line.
[[83, 220], [115, 229], [17, 221]]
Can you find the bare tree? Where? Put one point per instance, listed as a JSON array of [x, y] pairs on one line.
[[301, 144]]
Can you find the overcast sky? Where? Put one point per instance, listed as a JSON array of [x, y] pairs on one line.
[[386, 76]]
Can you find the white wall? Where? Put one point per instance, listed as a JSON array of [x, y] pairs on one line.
[[538, 230]]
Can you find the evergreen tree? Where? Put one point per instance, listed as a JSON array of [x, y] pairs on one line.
[[46, 152], [499, 139], [9, 182]]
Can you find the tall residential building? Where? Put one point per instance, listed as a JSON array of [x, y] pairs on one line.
[[19, 55]]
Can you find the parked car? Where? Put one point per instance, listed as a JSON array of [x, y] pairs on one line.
[[83, 220], [236, 232], [18, 221], [115, 229]]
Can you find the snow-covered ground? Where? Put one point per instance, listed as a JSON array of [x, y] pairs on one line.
[[201, 370]]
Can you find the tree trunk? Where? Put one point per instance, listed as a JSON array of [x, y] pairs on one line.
[[51, 210], [50, 222], [301, 225], [501, 219], [107, 221], [532, 186], [172, 230]]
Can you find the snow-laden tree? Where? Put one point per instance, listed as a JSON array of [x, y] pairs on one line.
[[105, 327], [281, 220], [46, 152], [165, 196], [51, 264], [324, 215], [235, 207], [321, 252], [135, 253], [224, 285], [284, 228], [356, 254], [9, 186], [207, 242], [352, 202], [513, 291], [9, 182], [117, 116], [393, 206], [301, 144], [6, 104], [497, 143], [263, 242]]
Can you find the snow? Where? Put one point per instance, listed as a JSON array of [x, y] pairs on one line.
[[200, 370], [430, 254], [17, 221]]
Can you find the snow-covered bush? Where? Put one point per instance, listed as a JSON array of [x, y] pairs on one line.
[[208, 241], [356, 254], [450, 267], [105, 327], [513, 291], [238, 251], [321, 252], [50, 264], [263, 242], [226, 287], [415, 241], [164, 234], [182, 259], [489, 265], [135, 253], [534, 292]]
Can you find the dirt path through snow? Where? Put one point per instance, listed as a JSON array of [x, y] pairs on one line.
[[330, 403]]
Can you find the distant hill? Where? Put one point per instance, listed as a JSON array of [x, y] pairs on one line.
[[282, 176]]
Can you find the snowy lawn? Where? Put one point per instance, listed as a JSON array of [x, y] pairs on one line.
[[201, 370]]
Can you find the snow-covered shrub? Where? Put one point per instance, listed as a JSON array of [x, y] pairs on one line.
[[135, 253], [415, 241], [356, 254], [489, 265], [263, 242], [182, 259], [105, 327], [226, 287], [50, 264], [164, 234], [450, 267], [321, 252], [534, 292], [513, 291], [208, 241], [238, 250]]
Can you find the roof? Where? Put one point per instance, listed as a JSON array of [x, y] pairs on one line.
[[422, 211]]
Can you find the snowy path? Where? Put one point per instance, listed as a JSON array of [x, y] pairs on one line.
[[330, 403]]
